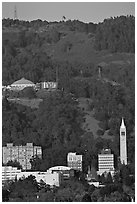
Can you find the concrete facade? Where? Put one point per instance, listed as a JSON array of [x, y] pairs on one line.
[[22, 154], [105, 162], [52, 179], [123, 144], [65, 171], [74, 161], [9, 173]]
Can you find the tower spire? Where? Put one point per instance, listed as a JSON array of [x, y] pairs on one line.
[[122, 123]]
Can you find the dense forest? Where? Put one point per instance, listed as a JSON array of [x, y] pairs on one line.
[[26, 49], [116, 34], [36, 50]]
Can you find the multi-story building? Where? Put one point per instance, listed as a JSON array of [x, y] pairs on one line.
[[22, 154], [105, 162], [74, 161], [9, 173]]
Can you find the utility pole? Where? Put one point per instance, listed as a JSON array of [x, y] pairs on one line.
[[99, 71], [57, 76], [15, 13]]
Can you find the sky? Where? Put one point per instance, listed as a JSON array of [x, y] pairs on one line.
[[54, 11]]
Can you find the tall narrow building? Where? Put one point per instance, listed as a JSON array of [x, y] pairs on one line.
[[123, 143], [74, 161]]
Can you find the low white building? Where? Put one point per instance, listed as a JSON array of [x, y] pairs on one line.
[[52, 179], [59, 168], [65, 171], [94, 183], [21, 84], [105, 162], [9, 173], [49, 85]]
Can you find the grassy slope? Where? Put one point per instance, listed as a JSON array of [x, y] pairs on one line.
[[90, 124], [33, 103]]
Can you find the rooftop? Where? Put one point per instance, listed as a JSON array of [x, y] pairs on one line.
[[22, 81]]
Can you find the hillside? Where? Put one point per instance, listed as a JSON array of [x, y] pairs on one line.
[[35, 50], [95, 69]]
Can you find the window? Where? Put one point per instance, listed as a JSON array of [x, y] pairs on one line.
[[123, 133], [70, 158]]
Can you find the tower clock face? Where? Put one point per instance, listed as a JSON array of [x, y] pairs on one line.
[[122, 133]]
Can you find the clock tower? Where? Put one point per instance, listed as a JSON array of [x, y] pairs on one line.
[[123, 143]]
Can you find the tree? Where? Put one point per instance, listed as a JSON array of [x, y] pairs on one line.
[[72, 191], [125, 175], [28, 92], [5, 195], [91, 189], [95, 195], [116, 197], [45, 196], [86, 198], [109, 178], [36, 163], [24, 189], [64, 195], [59, 118], [14, 163], [113, 34]]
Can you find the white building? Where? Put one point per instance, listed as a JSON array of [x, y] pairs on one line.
[[105, 162], [49, 85], [21, 84], [22, 154], [123, 144], [94, 183], [74, 161], [52, 179], [9, 173], [59, 168], [65, 171]]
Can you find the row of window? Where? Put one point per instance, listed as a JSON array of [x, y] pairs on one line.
[[107, 160], [106, 168], [106, 163], [105, 157]]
